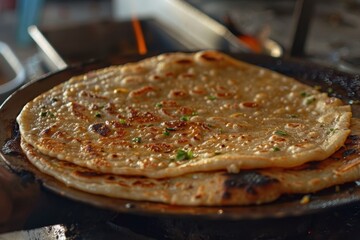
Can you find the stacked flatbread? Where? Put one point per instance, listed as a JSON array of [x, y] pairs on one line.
[[190, 129]]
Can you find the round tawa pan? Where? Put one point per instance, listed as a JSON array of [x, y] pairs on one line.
[[343, 85]]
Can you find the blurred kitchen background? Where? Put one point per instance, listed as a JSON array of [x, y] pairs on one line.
[[71, 31]]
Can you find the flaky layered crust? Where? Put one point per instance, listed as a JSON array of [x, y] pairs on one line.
[[212, 188]]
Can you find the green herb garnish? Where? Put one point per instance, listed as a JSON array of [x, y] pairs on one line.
[[122, 121], [182, 155], [304, 94], [185, 118], [331, 131], [137, 139], [211, 97], [159, 105], [281, 133], [168, 130], [293, 116], [98, 115], [310, 100], [275, 149], [44, 114]]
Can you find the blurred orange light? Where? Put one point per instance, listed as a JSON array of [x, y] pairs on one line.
[[139, 36]]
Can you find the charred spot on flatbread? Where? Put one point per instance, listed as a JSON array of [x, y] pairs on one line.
[[348, 152], [100, 128], [249, 181]]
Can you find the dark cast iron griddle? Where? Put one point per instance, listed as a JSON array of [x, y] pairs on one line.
[[343, 85]]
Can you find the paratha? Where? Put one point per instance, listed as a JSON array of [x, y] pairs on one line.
[[180, 113], [212, 188]]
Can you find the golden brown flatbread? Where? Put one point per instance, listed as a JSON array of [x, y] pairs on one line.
[[212, 188], [180, 113]]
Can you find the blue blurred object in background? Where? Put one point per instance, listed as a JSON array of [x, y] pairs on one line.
[[29, 13]]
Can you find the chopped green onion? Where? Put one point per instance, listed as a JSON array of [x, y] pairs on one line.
[[98, 115], [275, 149], [293, 116], [170, 129], [166, 133], [184, 155], [310, 100], [211, 97], [305, 94], [281, 133], [331, 131], [159, 105], [137, 139], [44, 114], [185, 118], [122, 121]]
